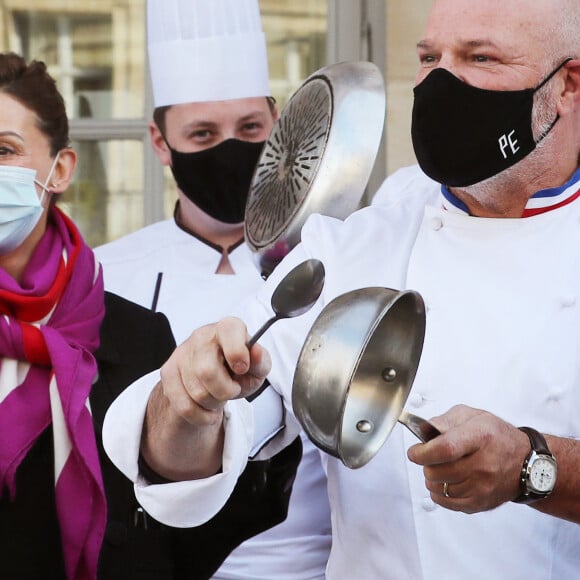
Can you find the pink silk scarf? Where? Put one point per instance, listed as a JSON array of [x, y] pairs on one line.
[[49, 328]]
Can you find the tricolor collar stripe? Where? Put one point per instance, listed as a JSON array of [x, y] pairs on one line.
[[530, 211], [542, 201], [452, 203]]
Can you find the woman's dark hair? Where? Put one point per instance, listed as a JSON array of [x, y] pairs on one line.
[[32, 86]]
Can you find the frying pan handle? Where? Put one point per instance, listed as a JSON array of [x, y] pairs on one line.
[[420, 427]]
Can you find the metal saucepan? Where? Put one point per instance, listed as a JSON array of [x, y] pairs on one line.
[[317, 159], [355, 372]]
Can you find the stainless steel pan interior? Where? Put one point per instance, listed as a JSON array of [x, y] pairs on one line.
[[356, 369]]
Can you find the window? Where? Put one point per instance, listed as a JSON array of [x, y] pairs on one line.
[[96, 52]]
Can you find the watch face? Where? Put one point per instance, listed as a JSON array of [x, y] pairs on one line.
[[543, 475]]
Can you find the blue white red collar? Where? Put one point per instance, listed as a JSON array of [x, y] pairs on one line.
[[541, 202]]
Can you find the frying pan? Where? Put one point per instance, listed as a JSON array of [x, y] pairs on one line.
[[355, 372], [317, 159]]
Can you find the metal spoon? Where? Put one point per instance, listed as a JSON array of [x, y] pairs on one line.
[[295, 294]]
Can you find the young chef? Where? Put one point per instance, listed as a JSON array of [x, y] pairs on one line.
[[213, 112]]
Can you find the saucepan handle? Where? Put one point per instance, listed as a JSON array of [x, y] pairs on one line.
[[420, 427]]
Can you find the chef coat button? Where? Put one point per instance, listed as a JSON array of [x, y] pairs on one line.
[[436, 223], [416, 400], [556, 393], [568, 301], [428, 504]]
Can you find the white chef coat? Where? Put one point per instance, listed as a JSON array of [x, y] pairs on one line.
[[191, 295], [503, 334]]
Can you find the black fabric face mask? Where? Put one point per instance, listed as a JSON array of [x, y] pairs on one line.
[[218, 179], [463, 134]]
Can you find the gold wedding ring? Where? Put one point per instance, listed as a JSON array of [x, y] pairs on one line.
[[446, 489]]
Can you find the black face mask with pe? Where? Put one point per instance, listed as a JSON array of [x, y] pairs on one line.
[[463, 134], [218, 179]]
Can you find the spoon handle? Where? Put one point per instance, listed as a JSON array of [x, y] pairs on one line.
[[420, 427], [261, 331]]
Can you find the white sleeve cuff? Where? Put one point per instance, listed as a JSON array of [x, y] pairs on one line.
[[191, 503], [124, 422], [182, 503]]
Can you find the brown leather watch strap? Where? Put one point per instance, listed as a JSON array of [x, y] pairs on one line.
[[538, 445], [537, 440]]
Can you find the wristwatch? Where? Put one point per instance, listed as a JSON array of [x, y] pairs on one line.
[[539, 471]]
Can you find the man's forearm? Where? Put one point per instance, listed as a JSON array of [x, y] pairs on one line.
[[564, 502], [175, 449]]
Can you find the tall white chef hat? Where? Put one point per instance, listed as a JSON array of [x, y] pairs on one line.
[[206, 50]]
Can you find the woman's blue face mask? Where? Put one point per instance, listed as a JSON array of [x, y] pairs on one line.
[[20, 206]]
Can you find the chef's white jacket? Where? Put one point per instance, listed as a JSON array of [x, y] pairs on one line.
[[190, 294], [502, 334]]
